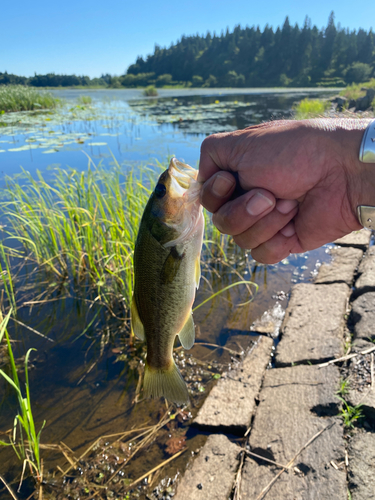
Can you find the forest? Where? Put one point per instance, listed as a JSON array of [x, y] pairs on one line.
[[290, 56]]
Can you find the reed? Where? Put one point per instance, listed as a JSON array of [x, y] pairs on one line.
[[81, 225], [150, 91], [310, 108], [21, 98], [25, 440]]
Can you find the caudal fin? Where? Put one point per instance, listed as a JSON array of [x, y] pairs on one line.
[[168, 383]]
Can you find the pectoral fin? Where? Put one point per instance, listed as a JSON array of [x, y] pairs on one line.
[[171, 265], [136, 323], [197, 271], [187, 334]]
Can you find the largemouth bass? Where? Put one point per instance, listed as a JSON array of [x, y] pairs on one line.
[[166, 275]]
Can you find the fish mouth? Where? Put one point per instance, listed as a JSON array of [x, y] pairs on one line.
[[182, 176]]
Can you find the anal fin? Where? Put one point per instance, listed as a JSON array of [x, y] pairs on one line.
[[136, 323], [187, 334]]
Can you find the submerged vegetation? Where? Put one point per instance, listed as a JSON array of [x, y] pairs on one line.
[[21, 98]]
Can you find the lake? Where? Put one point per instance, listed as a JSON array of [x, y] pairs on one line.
[[84, 375]]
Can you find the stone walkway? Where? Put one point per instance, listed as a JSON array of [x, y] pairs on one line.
[[288, 415]]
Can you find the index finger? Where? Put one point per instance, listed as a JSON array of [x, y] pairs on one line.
[[215, 155]]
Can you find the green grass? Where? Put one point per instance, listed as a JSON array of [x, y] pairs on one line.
[[343, 390], [150, 91], [21, 98], [84, 99], [355, 91], [25, 440], [350, 414], [81, 226], [310, 108]]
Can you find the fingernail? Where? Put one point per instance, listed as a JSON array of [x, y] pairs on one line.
[[222, 185], [286, 206], [288, 230], [258, 204]]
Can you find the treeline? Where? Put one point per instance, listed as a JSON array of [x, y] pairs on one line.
[[52, 80], [288, 56], [247, 57]]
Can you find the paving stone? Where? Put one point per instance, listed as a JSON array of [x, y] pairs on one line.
[[366, 273], [295, 404], [314, 324], [360, 390], [213, 472], [231, 403], [357, 239], [366, 398], [270, 321], [342, 268], [363, 316], [362, 466]]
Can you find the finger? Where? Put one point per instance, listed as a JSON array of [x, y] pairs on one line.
[[238, 215], [214, 155], [220, 151], [269, 225], [274, 250], [217, 191]]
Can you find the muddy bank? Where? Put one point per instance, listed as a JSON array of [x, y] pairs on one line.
[[300, 439]]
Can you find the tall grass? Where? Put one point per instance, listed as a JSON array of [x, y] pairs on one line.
[[357, 90], [310, 108], [21, 98], [24, 439], [150, 91], [81, 225], [84, 99]]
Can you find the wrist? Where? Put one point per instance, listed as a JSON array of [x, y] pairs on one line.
[[360, 176]]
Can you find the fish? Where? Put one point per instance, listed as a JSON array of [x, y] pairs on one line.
[[166, 275]]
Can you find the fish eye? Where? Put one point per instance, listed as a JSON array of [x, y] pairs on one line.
[[160, 190]]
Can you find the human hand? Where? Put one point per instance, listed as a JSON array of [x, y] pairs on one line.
[[302, 182]]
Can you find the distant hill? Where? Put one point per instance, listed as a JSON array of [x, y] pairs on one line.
[[288, 56]]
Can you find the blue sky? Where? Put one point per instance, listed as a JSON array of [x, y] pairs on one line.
[[93, 37]]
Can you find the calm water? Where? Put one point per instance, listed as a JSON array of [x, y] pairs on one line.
[[85, 388], [135, 130]]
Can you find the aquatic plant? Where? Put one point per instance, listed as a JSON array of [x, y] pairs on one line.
[[25, 440], [80, 228], [84, 99], [81, 225], [21, 98], [310, 108], [150, 91]]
